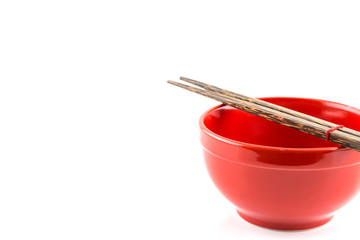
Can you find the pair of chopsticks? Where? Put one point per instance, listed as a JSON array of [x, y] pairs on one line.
[[290, 118]]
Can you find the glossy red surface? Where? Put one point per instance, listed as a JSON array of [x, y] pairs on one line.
[[278, 177]]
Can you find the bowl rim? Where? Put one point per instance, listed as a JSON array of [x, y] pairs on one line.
[[272, 148]]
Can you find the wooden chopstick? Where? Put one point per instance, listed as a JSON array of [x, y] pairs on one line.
[[301, 124], [270, 105]]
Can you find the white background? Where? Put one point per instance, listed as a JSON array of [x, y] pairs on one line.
[[94, 144]]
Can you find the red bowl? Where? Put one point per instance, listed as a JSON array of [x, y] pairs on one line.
[[278, 177]]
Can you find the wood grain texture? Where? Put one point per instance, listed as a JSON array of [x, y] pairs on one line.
[[314, 128], [269, 105]]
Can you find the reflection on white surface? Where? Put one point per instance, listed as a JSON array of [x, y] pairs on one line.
[[235, 226]]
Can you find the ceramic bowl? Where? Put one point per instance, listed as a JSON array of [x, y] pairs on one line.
[[278, 177]]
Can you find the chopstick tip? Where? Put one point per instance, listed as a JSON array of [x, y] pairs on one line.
[[169, 81]]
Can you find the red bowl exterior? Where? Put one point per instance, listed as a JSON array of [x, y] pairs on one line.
[[282, 188]]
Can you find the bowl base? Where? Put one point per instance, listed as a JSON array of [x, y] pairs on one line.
[[284, 226]]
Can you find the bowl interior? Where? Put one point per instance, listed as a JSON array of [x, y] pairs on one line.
[[240, 126]]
